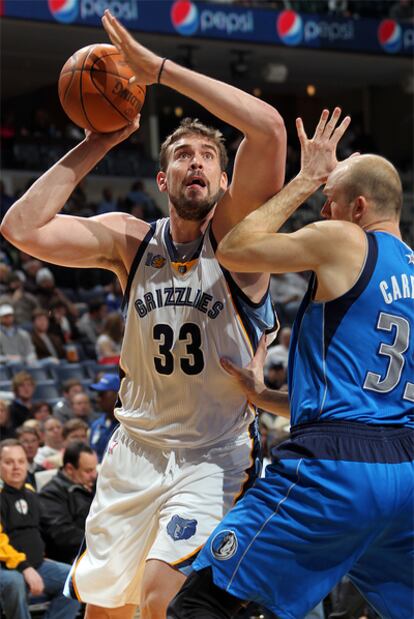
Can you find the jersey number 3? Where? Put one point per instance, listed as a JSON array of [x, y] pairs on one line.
[[192, 363], [395, 353]]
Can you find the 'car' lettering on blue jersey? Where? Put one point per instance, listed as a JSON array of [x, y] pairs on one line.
[[180, 296], [399, 287]]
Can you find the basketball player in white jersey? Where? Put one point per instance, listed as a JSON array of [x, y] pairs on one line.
[[184, 451]]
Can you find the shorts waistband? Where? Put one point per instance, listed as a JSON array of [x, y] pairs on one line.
[[371, 431], [348, 441]]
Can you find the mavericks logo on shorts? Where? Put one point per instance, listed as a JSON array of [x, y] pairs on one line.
[[224, 545], [179, 528]]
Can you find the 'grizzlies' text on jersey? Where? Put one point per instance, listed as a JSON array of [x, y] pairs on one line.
[[181, 318], [353, 358]]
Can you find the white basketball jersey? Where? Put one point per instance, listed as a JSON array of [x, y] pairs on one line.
[[180, 319]]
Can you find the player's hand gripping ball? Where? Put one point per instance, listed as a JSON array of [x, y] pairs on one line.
[[94, 89]]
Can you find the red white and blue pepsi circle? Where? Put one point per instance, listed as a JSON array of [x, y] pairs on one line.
[[184, 17], [65, 11], [289, 27], [390, 36]]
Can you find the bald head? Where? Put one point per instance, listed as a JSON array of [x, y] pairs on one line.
[[373, 177]]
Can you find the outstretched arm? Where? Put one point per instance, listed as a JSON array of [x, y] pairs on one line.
[[260, 162], [253, 245], [250, 381], [33, 224]]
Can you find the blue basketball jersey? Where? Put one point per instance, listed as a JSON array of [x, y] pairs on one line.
[[353, 358]]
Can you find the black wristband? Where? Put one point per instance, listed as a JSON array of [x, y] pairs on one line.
[[161, 70]]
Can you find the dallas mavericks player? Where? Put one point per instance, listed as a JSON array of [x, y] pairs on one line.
[[183, 453], [339, 496]]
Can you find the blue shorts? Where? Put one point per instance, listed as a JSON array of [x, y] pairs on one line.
[[337, 500]]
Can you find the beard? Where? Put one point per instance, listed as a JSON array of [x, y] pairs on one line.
[[194, 209]]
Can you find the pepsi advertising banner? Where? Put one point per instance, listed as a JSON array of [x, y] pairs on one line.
[[233, 23]]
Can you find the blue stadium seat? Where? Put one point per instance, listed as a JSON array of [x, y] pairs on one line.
[[5, 372], [71, 370], [38, 373], [46, 390], [5, 385], [93, 368]]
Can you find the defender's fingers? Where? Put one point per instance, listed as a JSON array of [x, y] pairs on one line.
[[339, 131], [229, 366], [321, 124], [331, 124], [300, 129]]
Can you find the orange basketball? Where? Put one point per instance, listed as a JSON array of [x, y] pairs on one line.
[[94, 89]]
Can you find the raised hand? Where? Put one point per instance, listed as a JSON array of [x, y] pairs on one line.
[[250, 378], [144, 63], [318, 154]]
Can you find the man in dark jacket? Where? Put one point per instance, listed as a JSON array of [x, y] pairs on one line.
[[20, 516], [65, 501]]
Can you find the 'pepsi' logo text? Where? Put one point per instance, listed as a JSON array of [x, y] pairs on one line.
[[292, 29], [187, 19], [392, 38], [67, 11]]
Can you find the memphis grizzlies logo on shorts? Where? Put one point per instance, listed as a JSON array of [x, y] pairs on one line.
[[224, 545]]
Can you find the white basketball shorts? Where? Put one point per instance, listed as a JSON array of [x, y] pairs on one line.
[[153, 504]]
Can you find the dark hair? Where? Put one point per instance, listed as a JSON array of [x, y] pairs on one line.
[[71, 382], [73, 424], [10, 442], [39, 312], [73, 452], [192, 126]]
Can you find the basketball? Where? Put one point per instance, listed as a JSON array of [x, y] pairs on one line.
[[94, 90]]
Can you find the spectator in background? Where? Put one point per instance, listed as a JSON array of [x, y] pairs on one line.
[[102, 429], [275, 377], [82, 408], [13, 590], [62, 325], [46, 344], [91, 323], [21, 407], [20, 518], [107, 204], [75, 430], [22, 302], [287, 291], [280, 352], [109, 343], [15, 343], [5, 271], [63, 410], [30, 267], [49, 456], [65, 501], [113, 298], [30, 440], [41, 411], [48, 294], [6, 427]]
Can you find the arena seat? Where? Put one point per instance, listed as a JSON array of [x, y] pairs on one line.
[[46, 390], [71, 370]]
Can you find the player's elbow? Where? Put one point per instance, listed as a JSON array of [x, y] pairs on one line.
[[273, 126], [16, 226]]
